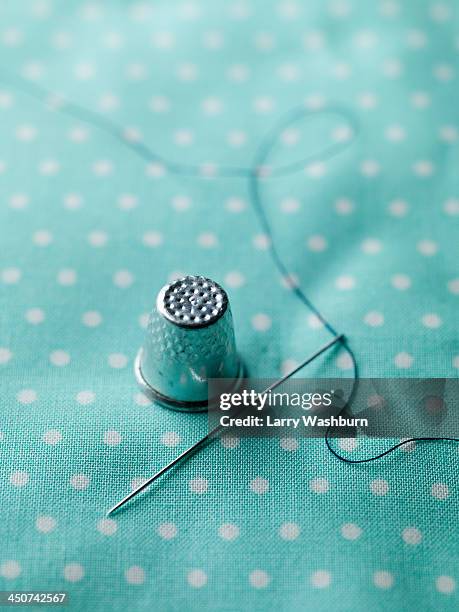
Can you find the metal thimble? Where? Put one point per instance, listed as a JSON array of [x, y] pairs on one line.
[[190, 338]]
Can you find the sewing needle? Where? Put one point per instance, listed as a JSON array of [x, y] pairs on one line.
[[208, 436]]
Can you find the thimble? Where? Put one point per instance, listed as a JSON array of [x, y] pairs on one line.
[[190, 339]]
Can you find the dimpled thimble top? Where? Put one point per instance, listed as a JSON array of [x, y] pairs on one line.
[[192, 301]]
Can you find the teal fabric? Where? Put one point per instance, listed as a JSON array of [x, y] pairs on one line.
[[90, 232]]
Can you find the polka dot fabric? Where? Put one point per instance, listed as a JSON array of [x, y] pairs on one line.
[[90, 231]]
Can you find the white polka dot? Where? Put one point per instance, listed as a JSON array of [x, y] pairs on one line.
[[127, 201], [102, 167], [5, 355], [401, 282], [234, 279], [395, 133], [92, 318], [383, 579], [73, 572], [261, 242], [440, 12], [342, 71], [451, 207], [27, 396], [187, 72], [316, 170], [84, 71], [263, 104], [444, 72], [317, 243], [213, 40], [453, 286], [440, 490], [137, 482], [344, 362], [235, 205], [314, 322], [229, 441], [261, 322], [170, 439], [197, 578], [49, 167], [420, 100], [423, 168], [59, 358], [236, 138], [152, 239], [289, 531], [181, 203], [123, 279], [52, 436], [112, 437], [78, 134], [142, 400], [371, 246], [398, 208], [448, 133], [79, 482], [10, 570], [259, 485], [411, 535], [19, 479], [259, 579], [97, 239], [212, 106], [117, 360], [10, 276], [198, 485], [379, 487], [367, 100], [374, 318], [456, 361], [370, 168], [343, 133], [403, 360], [431, 321], [445, 584], [6, 99], [289, 444], [228, 531], [85, 397], [42, 238], [19, 201], [35, 316], [351, 531], [345, 283], [290, 137], [290, 205], [73, 201], [167, 531], [143, 320], [207, 240], [107, 527], [319, 485], [348, 444], [321, 579], [45, 524], [409, 446], [66, 277]]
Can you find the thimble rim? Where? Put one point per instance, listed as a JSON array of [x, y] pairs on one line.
[[179, 405], [196, 323]]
